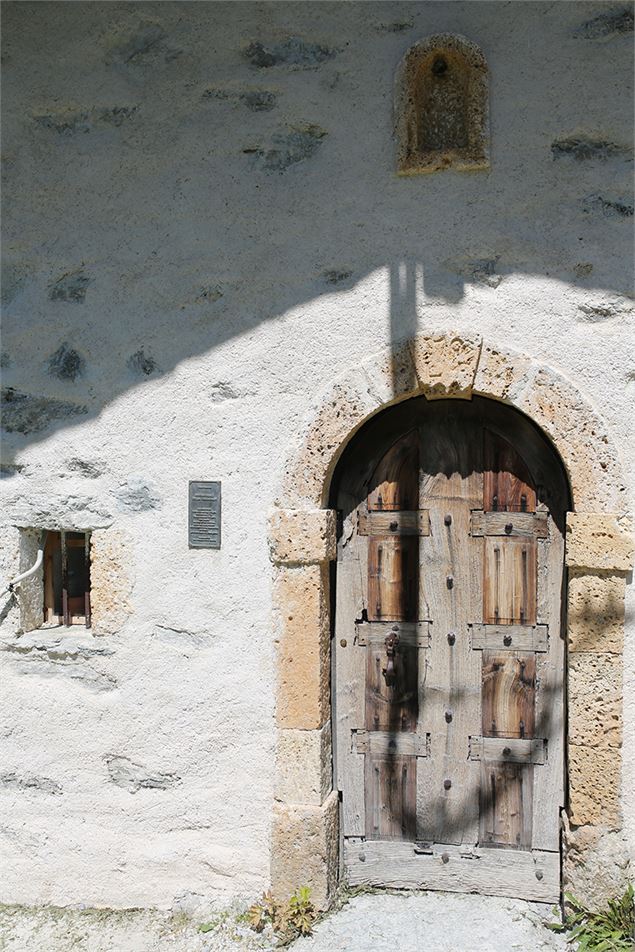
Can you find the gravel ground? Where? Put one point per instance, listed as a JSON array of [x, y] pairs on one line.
[[421, 922]]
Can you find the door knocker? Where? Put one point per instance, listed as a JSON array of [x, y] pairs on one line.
[[389, 672]]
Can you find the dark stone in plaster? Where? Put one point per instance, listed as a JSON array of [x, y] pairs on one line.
[[29, 782], [123, 772], [116, 115], [295, 145], [397, 26], [336, 277], [90, 469], [609, 208], [70, 122], [137, 496], [66, 122], [66, 363], [260, 100], [72, 286], [212, 292], [141, 364], [13, 280], [294, 52], [8, 470], [612, 22], [25, 413], [144, 40], [584, 148]]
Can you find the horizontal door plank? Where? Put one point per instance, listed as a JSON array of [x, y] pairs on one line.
[[388, 744], [415, 522], [411, 633], [513, 750], [522, 874], [531, 525], [512, 637]]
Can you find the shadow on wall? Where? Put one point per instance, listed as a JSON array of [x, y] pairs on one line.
[[178, 174]]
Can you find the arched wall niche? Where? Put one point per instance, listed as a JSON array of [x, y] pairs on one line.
[[599, 556], [441, 107]]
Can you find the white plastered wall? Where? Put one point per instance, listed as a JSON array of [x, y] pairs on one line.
[[252, 254]]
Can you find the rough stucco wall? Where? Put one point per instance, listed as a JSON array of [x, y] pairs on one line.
[[203, 227]]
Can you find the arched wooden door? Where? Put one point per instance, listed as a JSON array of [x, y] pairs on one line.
[[449, 658]]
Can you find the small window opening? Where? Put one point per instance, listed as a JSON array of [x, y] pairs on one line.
[[67, 578]]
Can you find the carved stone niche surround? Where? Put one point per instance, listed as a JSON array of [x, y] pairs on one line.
[[302, 539], [441, 110]]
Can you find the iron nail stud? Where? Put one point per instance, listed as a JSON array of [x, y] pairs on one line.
[[447, 784], [448, 520], [451, 637]]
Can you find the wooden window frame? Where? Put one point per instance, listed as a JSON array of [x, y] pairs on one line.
[[75, 610]]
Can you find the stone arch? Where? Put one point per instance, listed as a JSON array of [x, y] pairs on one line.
[[302, 539], [441, 106]]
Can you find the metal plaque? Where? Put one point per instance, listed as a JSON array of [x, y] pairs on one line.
[[204, 515]]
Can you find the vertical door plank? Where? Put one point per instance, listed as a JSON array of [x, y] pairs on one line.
[[507, 483], [549, 779], [395, 482], [448, 782], [506, 804], [391, 797], [392, 707], [392, 578], [509, 689], [349, 700], [509, 581]]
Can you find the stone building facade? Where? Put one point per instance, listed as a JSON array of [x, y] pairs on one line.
[[222, 255]]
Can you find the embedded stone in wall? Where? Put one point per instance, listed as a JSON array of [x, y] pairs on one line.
[[132, 48], [110, 580], [594, 786], [301, 536], [599, 541], [141, 364], [30, 782], [296, 144], [71, 121], [301, 607], [137, 495], [585, 148], [133, 777], [72, 287], [595, 699], [607, 207], [89, 469], [595, 612], [66, 363], [294, 52], [305, 850], [596, 864], [27, 414], [446, 364], [610, 23], [303, 773]]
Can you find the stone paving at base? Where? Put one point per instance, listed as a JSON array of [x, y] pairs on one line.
[[381, 922]]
